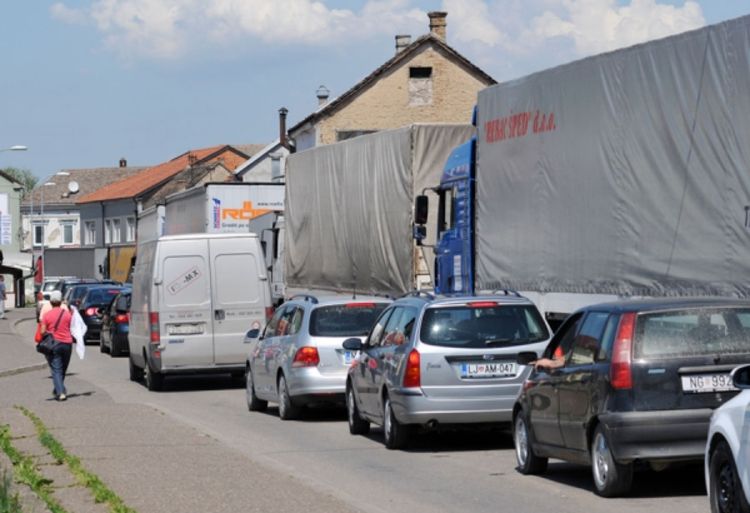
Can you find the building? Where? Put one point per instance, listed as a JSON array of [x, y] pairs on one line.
[[426, 81], [12, 261]]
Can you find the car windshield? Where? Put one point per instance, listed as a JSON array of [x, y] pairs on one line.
[[490, 325], [349, 320], [50, 285], [693, 333], [101, 297]]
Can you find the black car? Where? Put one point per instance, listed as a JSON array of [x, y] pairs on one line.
[[74, 292], [115, 325], [639, 383], [92, 306]]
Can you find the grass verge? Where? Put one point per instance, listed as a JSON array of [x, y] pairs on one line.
[[9, 501], [26, 472], [100, 491]]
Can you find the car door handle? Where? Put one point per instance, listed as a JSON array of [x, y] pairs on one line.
[[219, 315]]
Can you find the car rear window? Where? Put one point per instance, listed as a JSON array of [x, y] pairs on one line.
[[349, 320], [486, 326], [693, 333], [101, 297]]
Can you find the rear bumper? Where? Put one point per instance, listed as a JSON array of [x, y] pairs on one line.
[[658, 435], [308, 384]]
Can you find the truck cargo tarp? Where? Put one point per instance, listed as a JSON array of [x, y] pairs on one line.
[[349, 208], [626, 173]]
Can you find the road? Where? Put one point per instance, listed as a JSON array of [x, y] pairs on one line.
[[462, 471]]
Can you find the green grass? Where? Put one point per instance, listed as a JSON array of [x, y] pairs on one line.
[[100, 491], [26, 472], [9, 501]]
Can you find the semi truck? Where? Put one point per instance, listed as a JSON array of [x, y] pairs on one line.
[[348, 216], [620, 175]]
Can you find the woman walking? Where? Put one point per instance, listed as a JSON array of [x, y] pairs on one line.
[[57, 322]]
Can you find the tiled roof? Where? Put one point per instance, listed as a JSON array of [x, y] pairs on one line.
[[88, 180], [151, 177], [188, 178], [249, 149], [401, 57]]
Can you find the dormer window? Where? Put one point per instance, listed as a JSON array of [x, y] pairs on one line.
[[420, 85]]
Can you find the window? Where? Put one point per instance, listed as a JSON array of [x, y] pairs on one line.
[[130, 229], [89, 232], [353, 320], [400, 326], [270, 330], [420, 86], [67, 229], [564, 336], [116, 231], [38, 234], [446, 210], [586, 343], [290, 321], [107, 231], [377, 331]]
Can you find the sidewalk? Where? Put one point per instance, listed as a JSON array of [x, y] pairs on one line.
[[153, 462]]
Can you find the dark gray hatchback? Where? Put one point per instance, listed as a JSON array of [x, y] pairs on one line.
[[639, 382]]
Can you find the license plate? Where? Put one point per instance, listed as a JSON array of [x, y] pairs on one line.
[[185, 329], [488, 370], [705, 383], [348, 357]]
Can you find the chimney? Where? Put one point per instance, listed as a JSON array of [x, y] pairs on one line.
[[322, 93], [437, 23], [402, 41], [283, 111], [192, 159], [123, 162]]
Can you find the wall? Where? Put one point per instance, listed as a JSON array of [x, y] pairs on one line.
[[53, 220], [98, 212]]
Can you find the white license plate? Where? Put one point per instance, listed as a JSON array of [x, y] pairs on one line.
[[705, 383], [185, 329], [488, 370], [349, 356]]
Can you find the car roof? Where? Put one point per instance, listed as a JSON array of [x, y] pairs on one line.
[[660, 304], [332, 299], [422, 298]]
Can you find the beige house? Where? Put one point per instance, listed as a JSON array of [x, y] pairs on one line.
[[426, 81]]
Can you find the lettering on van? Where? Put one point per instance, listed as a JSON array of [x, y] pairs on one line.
[[245, 213], [515, 126], [185, 279]]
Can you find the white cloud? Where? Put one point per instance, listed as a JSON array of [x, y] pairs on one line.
[[470, 21], [65, 14]]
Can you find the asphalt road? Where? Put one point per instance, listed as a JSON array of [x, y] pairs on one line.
[[449, 472]]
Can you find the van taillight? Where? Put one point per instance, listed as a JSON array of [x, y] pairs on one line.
[[306, 357], [620, 370], [153, 327], [412, 376], [269, 313]]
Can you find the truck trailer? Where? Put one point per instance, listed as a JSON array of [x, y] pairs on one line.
[[620, 175]]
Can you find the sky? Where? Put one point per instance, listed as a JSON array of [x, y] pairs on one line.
[[84, 83]]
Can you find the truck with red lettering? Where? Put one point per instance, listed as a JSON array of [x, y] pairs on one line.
[[620, 175]]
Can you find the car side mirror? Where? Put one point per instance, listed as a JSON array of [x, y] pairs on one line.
[[253, 333], [526, 357], [352, 344], [741, 377], [421, 209]]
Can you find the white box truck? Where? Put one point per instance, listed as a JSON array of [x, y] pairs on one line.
[[194, 298]]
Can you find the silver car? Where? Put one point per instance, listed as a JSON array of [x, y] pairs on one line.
[[433, 361], [298, 360]]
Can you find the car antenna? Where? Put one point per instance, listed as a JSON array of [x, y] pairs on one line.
[[354, 290]]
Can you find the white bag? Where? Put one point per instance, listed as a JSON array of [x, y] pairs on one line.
[[78, 330]]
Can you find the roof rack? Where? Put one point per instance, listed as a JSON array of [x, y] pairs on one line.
[[305, 297], [418, 293], [507, 292]]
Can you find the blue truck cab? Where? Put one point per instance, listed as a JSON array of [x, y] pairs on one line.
[[454, 249]]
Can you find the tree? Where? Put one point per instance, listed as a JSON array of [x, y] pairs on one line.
[[25, 176]]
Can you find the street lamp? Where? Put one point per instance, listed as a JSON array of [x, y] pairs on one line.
[[44, 228], [17, 147]]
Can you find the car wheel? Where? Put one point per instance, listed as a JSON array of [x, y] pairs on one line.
[[253, 403], [154, 380], [528, 462], [610, 477], [357, 425], [725, 488], [396, 434], [136, 373], [287, 409]]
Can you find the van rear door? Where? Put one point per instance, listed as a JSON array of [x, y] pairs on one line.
[[240, 295], [185, 320]]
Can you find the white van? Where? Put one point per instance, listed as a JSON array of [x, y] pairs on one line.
[[194, 299]]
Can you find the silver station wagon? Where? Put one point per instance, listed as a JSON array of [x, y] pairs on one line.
[[299, 360], [434, 361]]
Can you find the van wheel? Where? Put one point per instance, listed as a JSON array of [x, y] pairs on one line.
[[154, 380], [253, 403], [287, 409], [357, 425], [610, 478], [136, 373], [396, 434], [528, 462], [725, 488]]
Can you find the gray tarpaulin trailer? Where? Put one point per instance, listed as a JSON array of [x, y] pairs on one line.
[[623, 174], [349, 209]]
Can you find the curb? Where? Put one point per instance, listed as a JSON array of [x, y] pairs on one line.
[[21, 370]]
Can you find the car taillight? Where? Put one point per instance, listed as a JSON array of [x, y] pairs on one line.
[[620, 370], [153, 327], [91, 311], [306, 357], [360, 305], [482, 304], [122, 318], [269, 313], [412, 376]]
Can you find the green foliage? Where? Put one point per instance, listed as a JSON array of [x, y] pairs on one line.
[[25, 176], [9, 501]]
